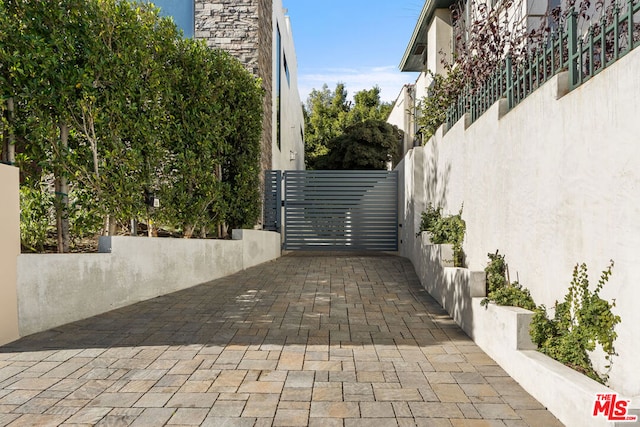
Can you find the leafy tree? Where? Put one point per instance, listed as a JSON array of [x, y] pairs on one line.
[[328, 114], [214, 151], [193, 194], [240, 169], [368, 106], [7, 148], [366, 145], [106, 101], [122, 117], [50, 47], [325, 119]]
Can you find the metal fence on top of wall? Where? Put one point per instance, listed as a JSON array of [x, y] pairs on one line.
[[606, 41]]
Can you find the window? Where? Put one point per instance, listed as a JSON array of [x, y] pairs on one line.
[[286, 71], [181, 11], [278, 86], [553, 11]]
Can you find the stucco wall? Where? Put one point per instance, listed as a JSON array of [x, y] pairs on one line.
[[552, 183], [290, 154], [9, 250], [402, 115], [54, 289]]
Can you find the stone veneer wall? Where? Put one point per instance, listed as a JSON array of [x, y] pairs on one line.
[[244, 28], [265, 71], [231, 25]]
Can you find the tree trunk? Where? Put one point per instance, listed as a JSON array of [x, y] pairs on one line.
[[9, 149], [113, 226], [152, 231], [105, 225], [62, 195], [188, 231]]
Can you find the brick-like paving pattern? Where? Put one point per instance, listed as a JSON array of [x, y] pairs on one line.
[[323, 339]]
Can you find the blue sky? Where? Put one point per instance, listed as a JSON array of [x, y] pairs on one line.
[[357, 42]]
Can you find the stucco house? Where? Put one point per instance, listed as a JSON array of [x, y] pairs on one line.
[[258, 33], [544, 158], [435, 39]]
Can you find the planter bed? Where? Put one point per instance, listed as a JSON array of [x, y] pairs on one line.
[[503, 333]]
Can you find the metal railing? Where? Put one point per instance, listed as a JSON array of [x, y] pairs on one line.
[[605, 42]]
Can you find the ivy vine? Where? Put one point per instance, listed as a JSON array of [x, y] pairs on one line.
[[581, 322], [448, 229], [500, 290]]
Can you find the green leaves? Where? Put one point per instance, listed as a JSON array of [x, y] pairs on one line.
[[581, 322], [36, 211], [500, 290], [366, 145], [146, 110], [328, 116], [445, 229], [443, 92]]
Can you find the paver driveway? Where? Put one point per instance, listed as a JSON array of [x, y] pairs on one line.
[[320, 339]]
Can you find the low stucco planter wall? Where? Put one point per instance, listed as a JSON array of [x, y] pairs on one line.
[[54, 289], [9, 250], [503, 333], [549, 186]]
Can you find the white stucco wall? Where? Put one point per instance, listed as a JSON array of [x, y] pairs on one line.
[[550, 184], [290, 154], [54, 289], [402, 115], [439, 36], [9, 250], [406, 108]]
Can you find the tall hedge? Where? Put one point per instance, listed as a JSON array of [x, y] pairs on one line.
[[105, 103]]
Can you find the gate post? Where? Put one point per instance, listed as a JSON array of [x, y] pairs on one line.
[[272, 220]]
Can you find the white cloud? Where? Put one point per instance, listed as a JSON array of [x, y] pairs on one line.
[[388, 78]]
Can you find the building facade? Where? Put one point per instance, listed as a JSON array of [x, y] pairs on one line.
[[258, 33], [443, 25], [546, 180]]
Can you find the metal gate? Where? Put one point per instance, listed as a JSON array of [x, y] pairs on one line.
[[335, 210]]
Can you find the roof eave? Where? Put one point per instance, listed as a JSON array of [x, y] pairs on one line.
[[408, 63]]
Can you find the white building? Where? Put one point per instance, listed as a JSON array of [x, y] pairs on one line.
[[258, 33], [547, 181], [433, 42]]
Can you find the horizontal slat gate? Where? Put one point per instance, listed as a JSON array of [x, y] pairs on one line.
[[272, 200], [353, 210]]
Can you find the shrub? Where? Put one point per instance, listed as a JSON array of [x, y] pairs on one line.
[[500, 291], [445, 230], [36, 215], [581, 322], [441, 95]]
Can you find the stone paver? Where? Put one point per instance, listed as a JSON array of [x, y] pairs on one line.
[[312, 339]]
